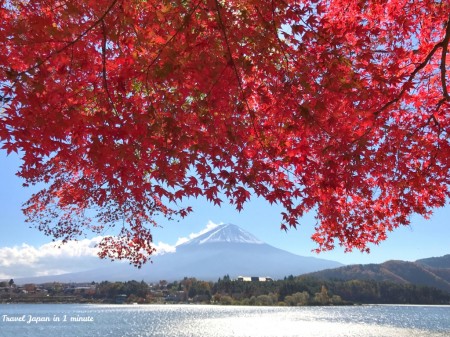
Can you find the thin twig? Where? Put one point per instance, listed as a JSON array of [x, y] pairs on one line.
[[410, 79], [55, 52], [160, 51], [104, 73]]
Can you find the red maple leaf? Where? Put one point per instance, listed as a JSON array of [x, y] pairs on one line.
[[124, 107]]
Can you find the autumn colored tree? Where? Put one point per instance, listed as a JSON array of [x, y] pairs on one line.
[[125, 107]]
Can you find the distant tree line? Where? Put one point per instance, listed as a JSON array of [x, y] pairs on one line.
[[110, 290], [291, 291], [311, 291]]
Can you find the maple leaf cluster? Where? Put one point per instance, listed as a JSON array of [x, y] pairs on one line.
[[125, 107]]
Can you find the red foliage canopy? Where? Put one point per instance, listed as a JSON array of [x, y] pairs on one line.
[[124, 107]]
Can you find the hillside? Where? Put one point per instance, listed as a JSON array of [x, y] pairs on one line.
[[401, 272], [436, 262]]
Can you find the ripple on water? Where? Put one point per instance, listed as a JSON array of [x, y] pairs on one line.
[[223, 321]]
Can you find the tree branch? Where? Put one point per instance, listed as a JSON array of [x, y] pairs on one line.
[[71, 43], [104, 75], [444, 59], [410, 78], [158, 55], [235, 69], [444, 45], [227, 43]]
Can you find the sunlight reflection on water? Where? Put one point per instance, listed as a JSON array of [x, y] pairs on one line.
[[221, 321], [294, 323]]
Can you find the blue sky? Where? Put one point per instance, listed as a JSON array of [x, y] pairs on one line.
[[25, 251]]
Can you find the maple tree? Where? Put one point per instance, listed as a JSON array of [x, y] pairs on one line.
[[125, 107]]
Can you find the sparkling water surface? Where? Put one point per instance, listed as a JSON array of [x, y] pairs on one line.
[[73, 320]]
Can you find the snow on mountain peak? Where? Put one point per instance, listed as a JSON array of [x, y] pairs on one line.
[[225, 233]]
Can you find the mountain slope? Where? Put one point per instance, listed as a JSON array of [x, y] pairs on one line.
[[436, 262], [226, 249], [392, 271]]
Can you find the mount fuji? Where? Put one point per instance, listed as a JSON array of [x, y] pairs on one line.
[[224, 233], [226, 249]]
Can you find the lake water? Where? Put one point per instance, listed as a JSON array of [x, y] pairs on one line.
[[73, 320]]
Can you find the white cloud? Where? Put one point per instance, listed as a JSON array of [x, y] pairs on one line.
[[49, 259], [55, 258], [29, 255], [209, 226], [4, 277], [164, 248]]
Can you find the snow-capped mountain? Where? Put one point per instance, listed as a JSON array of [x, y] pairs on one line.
[[226, 249], [224, 233]]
